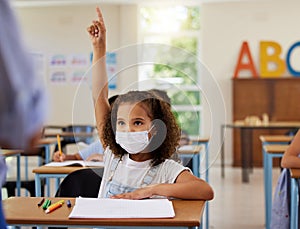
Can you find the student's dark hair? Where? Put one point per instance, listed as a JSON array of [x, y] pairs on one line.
[[161, 94], [157, 109]]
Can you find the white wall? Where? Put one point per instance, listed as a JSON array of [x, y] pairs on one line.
[[62, 30], [226, 25]]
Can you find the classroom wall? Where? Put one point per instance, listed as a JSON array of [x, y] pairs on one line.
[[225, 24], [62, 30]]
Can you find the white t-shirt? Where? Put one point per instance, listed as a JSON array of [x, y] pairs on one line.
[[126, 175]]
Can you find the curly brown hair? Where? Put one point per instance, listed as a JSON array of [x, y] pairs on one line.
[[163, 120]]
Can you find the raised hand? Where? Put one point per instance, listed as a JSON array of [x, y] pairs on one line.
[[97, 33]]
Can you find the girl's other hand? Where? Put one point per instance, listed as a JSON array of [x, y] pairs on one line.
[[138, 194]]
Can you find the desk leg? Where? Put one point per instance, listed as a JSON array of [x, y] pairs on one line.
[[196, 164], [246, 152], [268, 187], [47, 160], [37, 185], [294, 204], [18, 175]]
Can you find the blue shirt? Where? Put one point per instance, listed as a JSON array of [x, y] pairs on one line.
[[95, 147]]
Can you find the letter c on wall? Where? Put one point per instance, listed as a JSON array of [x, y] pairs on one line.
[[288, 62]]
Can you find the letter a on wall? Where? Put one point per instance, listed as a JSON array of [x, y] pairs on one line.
[[249, 65]]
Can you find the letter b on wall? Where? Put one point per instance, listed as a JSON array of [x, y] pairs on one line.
[[271, 65]]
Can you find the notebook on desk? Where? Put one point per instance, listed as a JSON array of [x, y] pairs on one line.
[[77, 163], [122, 208]]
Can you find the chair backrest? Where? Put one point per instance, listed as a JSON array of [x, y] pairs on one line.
[[79, 129], [83, 182]]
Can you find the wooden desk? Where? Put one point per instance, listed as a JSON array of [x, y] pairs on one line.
[[69, 134], [246, 142], [276, 139], [24, 211], [57, 172], [295, 176], [14, 153]]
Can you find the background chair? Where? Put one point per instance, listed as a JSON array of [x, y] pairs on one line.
[[83, 182], [76, 138]]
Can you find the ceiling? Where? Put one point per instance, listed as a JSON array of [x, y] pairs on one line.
[[33, 3]]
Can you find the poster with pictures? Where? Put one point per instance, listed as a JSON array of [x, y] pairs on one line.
[[58, 76], [78, 64], [111, 66], [57, 61]]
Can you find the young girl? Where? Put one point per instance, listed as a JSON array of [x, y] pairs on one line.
[[140, 134]]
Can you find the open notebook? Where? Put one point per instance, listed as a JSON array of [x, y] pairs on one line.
[[77, 163], [122, 208]]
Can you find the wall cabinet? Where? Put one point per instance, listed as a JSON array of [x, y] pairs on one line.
[[277, 97]]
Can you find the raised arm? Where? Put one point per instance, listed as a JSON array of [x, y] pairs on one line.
[[97, 33], [290, 158]]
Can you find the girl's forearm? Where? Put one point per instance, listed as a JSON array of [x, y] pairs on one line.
[[290, 161], [197, 189]]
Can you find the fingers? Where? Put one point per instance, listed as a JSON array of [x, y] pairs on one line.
[[59, 158], [100, 19], [93, 30], [97, 28]]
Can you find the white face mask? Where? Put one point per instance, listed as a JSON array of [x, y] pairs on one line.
[[133, 142]]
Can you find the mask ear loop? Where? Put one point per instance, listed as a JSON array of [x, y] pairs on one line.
[[157, 125], [152, 131]]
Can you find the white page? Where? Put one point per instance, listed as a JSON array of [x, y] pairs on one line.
[[77, 163], [121, 208]]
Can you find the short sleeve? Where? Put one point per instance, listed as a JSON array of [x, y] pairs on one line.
[[171, 170]]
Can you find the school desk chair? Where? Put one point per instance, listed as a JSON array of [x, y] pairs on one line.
[[77, 137], [83, 182]]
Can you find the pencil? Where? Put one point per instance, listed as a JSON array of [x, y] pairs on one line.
[[59, 146]]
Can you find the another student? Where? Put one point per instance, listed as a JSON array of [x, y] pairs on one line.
[[140, 134], [93, 152], [291, 158]]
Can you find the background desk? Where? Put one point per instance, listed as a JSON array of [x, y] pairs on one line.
[[247, 142], [14, 153], [24, 211], [57, 172]]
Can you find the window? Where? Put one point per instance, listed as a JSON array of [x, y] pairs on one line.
[[176, 29]]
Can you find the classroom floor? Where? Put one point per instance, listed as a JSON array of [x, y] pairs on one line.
[[238, 205]]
